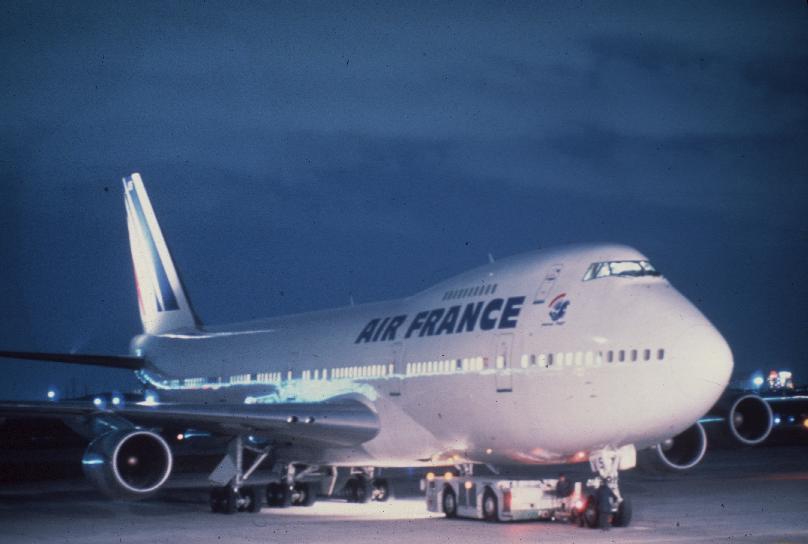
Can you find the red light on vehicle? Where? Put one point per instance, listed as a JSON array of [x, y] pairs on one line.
[[579, 505], [506, 501]]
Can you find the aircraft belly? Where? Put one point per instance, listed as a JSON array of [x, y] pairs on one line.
[[533, 422]]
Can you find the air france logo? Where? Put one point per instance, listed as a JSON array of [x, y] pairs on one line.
[[558, 307], [497, 313]]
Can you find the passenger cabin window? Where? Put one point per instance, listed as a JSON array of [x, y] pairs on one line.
[[625, 269]]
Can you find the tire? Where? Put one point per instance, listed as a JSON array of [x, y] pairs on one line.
[[230, 502], [590, 515], [449, 502], [490, 506], [278, 495], [356, 490], [622, 518], [305, 495], [216, 500], [380, 490], [250, 500]]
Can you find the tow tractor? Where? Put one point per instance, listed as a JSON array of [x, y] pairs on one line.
[[493, 498]]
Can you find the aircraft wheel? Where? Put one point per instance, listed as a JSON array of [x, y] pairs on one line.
[[449, 502], [278, 495], [590, 516], [357, 490], [622, 518], [381, 490], [490, 506], [249, 500], [230, 503], [303, 495], [216, 500]]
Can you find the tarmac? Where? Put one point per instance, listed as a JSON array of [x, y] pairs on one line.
[[748, 495]]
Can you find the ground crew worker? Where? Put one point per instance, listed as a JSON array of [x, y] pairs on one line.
[[604, 496], [563, 487]]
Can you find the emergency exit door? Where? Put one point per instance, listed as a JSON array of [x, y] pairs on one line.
[[503, 362]]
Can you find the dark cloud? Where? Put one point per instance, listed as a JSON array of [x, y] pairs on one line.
[[300, 153]]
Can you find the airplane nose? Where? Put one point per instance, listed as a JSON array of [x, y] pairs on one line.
[[702, 364]]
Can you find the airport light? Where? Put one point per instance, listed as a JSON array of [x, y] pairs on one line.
[[430, 476], [98, 401], [51, 394], [180, 436], [805, 422], [757, 381], [448, 476], [777, 420], [116, 400]]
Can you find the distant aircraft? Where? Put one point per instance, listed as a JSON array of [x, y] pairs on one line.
[[556, 356]]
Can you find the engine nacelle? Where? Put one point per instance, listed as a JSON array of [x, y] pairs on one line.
[[128, 464], [682, 452], [740, 419]]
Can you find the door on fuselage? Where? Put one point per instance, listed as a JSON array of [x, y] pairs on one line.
[[547, 284], [396, 369], [503, 362]]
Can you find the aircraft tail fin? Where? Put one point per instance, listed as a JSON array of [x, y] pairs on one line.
[[163, 304]]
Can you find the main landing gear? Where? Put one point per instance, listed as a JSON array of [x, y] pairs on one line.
[[230, 494], [362, 486], [607, 463]]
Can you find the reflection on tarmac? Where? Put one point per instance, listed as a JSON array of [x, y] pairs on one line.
[[750, 495]]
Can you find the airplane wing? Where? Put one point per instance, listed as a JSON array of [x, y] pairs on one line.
[[336, 423], [341, 422], [109, 361]]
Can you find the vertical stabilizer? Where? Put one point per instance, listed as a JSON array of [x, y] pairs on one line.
[[161, 298]]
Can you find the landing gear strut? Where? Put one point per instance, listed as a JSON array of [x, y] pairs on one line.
[[608, 463], [230, 495]]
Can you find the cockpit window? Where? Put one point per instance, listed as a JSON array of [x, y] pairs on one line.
[[632, 269]]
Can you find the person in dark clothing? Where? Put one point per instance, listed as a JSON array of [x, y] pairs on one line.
[[563, 487], [604, 496]]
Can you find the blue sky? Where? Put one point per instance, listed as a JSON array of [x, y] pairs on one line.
[[301, 153]]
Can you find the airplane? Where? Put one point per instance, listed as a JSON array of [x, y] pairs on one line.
[[563, 355]]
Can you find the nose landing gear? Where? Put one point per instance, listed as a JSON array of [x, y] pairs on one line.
[[606, 505]]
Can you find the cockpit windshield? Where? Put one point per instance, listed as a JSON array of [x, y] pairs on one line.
[[631, 269]]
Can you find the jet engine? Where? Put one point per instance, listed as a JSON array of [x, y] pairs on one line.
[[682, 452], [128, 463], [744, 419]]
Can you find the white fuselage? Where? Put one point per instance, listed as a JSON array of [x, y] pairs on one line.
[[518, 361]]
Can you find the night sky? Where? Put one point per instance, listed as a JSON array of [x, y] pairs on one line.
[[299, 154]]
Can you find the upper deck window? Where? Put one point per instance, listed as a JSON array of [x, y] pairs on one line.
[[632, 269]]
